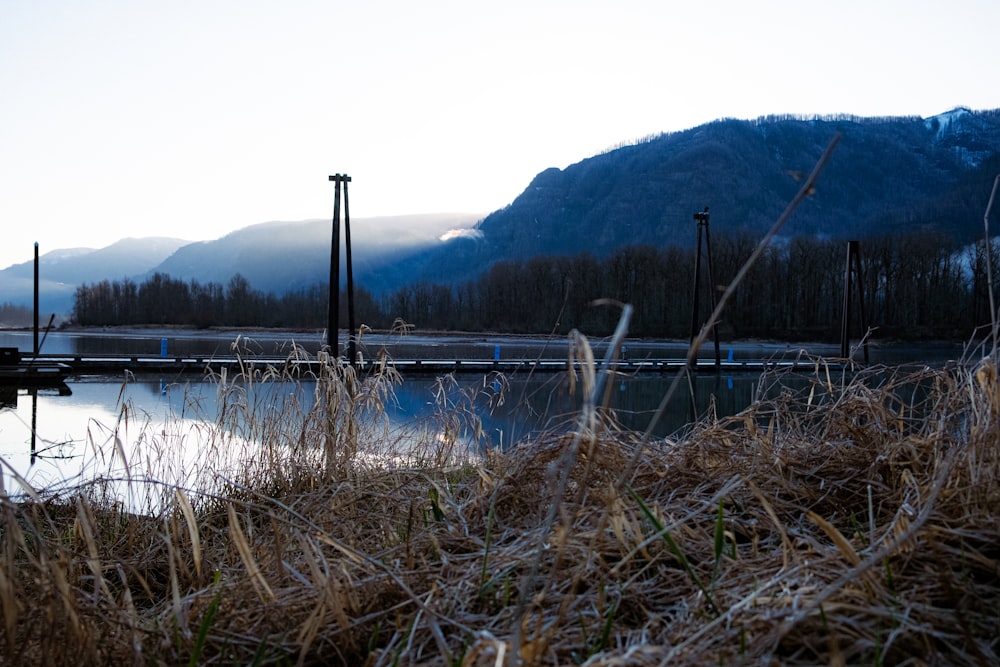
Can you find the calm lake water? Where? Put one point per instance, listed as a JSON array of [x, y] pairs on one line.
[[51, 437]]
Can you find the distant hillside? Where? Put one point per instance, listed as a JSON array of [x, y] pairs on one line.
[[284, 256], [274, 257], [887, 175], [61, 271]]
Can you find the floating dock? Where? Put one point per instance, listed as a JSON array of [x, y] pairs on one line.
[[69, 365], [17, 371]]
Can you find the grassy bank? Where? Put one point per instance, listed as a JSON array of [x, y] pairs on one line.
[[853, 523]]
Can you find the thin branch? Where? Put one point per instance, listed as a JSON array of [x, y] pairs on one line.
[[807, 189]]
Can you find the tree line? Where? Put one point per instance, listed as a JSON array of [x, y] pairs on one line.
[[162, 300], [914, 286], [13, 315]]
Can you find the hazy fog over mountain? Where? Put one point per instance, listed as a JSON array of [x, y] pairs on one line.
[[62, 270], [273, 256], [282, 256]]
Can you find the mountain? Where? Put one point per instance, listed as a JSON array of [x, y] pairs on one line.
[[285, 256], [61, 271], [886, 176], [273, 257]]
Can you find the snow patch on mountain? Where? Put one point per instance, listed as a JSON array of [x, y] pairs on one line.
[[943, 122]]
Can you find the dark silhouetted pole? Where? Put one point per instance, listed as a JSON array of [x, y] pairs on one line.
[[702, 220], [333, 323], [34, 422], [36, 298]]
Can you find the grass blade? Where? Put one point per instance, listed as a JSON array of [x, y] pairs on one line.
[[192, 525], [240, 540], [674, 549], [206, 622]]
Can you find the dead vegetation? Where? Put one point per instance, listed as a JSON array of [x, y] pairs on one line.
[[855, 522]]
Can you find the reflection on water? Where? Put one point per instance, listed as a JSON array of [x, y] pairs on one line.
[[9, 400], [163, 423], [51, 439]]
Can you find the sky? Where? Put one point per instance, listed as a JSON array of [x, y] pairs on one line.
[[192, 119]]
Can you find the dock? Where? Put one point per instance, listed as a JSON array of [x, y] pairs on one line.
[[62, 366], [34, 374], [16, 371]]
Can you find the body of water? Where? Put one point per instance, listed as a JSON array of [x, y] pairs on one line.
[[54, 436]]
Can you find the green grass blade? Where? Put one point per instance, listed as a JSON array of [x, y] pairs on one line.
[[674, 549], [206, 624]]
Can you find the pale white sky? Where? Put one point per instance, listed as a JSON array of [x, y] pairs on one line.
[[192, 119]]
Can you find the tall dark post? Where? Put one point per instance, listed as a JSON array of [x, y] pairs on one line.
[[702, 220], [333, 313], [333, 324], [36, 299], [853, 270], [34, 422]]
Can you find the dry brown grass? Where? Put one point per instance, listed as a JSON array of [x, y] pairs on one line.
[[856, 523]]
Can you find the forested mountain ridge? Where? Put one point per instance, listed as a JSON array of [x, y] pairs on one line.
[[886, 176]]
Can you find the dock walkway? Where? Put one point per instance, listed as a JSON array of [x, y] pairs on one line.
[[106, 364]]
